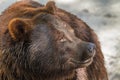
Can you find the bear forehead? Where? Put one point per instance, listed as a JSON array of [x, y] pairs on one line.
[[56, 23]]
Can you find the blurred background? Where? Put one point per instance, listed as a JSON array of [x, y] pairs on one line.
[[103, 16]]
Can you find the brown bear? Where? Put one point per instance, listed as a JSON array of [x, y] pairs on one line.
[[40, 42]]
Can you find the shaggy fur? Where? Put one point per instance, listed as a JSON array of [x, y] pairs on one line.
[[21, 38]]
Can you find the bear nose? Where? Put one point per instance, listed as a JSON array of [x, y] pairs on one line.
[[91, 49]]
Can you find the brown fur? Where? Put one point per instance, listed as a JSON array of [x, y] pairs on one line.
[[25, 10], [18, 28]]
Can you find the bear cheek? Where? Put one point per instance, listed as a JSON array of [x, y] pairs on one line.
[[42, 48]]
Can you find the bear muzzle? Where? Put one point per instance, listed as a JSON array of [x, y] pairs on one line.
[[86, 54]]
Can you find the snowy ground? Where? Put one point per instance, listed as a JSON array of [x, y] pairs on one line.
[[101, 15]]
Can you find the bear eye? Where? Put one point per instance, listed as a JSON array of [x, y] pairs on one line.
[[63, 40]]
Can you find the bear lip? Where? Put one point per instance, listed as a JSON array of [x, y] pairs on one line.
[[84, 63], [87, 61]]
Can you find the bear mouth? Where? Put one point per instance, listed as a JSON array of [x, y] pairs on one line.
[[86, 62], [81, 64]]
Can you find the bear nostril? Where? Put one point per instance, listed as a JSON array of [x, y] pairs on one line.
[[91, 49]]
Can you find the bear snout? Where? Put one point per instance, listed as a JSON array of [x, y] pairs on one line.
[[89, 50], [85, 54]]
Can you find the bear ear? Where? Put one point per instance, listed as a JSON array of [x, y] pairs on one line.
[[18, 28], [50, 6]]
